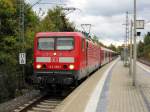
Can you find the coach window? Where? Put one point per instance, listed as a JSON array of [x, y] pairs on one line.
[[46, 43]]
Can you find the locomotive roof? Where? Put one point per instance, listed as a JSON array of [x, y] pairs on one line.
[[41, 34]]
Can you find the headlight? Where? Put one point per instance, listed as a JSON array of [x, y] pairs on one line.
[[38, 66], [71, 67], [54, 54]]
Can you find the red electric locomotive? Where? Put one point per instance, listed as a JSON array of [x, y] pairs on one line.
[[66, 57]]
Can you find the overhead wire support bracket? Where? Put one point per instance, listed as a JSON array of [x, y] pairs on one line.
[[87, 26]]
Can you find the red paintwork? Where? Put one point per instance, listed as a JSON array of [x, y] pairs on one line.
[[85, 58]]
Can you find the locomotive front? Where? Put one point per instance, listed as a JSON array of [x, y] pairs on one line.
[[55, 58]]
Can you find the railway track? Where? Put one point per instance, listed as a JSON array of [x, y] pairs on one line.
[[144, 62], [44, 103]]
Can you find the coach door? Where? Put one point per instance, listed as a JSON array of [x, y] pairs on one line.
[[86, 53], [83, 58], [83, 52]]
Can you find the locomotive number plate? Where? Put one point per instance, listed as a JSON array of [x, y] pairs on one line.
[[54, 67]]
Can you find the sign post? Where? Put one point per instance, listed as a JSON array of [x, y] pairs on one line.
[[138, 24], [22, 58], [131, 34], [22, 61]]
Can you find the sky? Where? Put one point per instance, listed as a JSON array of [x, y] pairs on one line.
[[106, 16]]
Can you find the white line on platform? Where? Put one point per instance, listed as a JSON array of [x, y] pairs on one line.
[[95, 96], [142, 66]]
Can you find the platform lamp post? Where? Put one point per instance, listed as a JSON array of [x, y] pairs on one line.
[[131, 28], [134, 48], [126, 39], [138, 24]]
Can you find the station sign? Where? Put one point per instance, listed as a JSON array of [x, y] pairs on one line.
[[140, 24], [22, 58]]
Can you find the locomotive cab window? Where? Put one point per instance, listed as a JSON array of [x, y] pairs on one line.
[[46, 43], [65, 43]]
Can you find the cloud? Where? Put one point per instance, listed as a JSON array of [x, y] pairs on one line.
[[106, 16], [108, 7], [104, 27], [41, 9]]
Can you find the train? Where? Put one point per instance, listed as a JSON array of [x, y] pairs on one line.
[[65, 58]]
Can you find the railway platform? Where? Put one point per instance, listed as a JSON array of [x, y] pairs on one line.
[[110, 90]]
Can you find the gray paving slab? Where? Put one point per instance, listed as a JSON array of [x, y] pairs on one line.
[[78, 100], [119, 95], [103, 100], [143, 83], [122, 96]]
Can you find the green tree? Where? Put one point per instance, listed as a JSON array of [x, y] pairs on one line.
[[147, 39], [119, 49], [95, 38], [140, 49], [147, 46], [10, 43], [112, 47], [56, 21]]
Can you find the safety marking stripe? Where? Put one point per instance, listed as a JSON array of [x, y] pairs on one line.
[[141, 66], [102, 104], [147, 103], [95, 96]]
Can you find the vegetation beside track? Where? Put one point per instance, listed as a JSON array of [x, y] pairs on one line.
[[11, 81], [144, 48]]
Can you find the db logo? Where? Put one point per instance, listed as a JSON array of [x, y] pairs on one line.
[[54, 59]]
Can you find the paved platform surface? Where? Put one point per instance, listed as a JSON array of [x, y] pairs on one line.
[[117, 94], [78, 100], [122, 96]]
